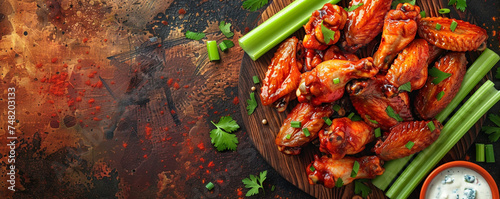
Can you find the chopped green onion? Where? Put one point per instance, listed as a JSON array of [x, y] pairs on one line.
[[405, 87], [306, 132], [431, 126], [355, 169], [328, 35], [356, 117], [226, 44], [339, 182], [327, 120], [390, 112], [350, 115], [409, 145], [223, 46], [372, 121], [256, 79], [440, 95], [210, 186], [438, 74], [288, 136], [444, 11], [422, 14], [213, 51], [272, 188], [277, 28], [438, 26], [296, 124], [377, 132], [490, 153], [336, 80], [336, 107], [453, 25], [312, 168], [479, 152], [354, 7]]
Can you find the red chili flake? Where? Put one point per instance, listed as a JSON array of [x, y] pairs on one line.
[[79, 67], [81, 121], [172, 111], [99, 84], [124, 144], [164, 22], [92, 113], [87, 52], [208, 171], [216, 112], [236, 100], [91, 75], [165, 129], [170, 81], [162, 77], [85, 40], [211, 164], [112, 82], [105, 40], [148, 131], [186, 86], [39, 65], [159, 45], [201, 167], [220, 181], [169, 138], [53, 115], [65, 65], [182, 11], [98, 108], [211, 107], [79, 61], [51, 101], [201, 146], [91, 100], [240, 193], [107, 116], [135, 71], [78, 99], [97, 119], [87, 82], [145, 156], [162, 112], [202, 160], [54, 60], [247, 29], [71, 103]]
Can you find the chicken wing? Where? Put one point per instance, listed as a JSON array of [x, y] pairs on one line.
[[326, 82], [283, 75], [364, 23], [410, 65], [332, 17], [421, 133], [400, 28], [345, 136], [377, 108], [433, 98], [465, 37], [327, 170], [290, 139]]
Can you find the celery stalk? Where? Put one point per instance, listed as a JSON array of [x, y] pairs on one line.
[[392, 168], [477, 105], [273, 31], [483, 64]]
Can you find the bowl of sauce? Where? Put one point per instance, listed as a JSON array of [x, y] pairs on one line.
[[457, 180]]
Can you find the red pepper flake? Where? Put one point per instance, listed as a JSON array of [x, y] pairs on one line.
[[170, 81], [169, 138], [50, 101], [112, 82], [236, 100], [202, 160], [162, 77], [220, 181], [87, 52], [201, 167], [39, 65], [71, 103], [99, 84], [91, 100], [216, 112], [53, 115], [105, 40], [54, 60], [97, 119], [98, 108], [182, 11], [91, 75], [85, 40], [92, 113], [165, 129], [172, 111], [211, 164], [87, 82], [247, 29], [240, 193], [201, 146], [65, 65], [107, 116], [145, 156], [164, 23], [124, 144], [186, 86], [159, 45], [162, 112], [79, 67], [79, 61], [78, 99], [148, 131]]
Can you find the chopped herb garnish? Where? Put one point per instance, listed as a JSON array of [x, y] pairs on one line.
[[256, 79], [254, 5], [461, 5], [194, 35], [327, 120], [453, 26], [405, 87], [479, 152], [377, 132], [438, 26], [444, 11], [252, 103], [312, 168], [355, 169], [339, 182], [497, 75], [490, 153], [226, 44], [439, 75], [210, 186], [390, 112], [336, 107], [431, 126], [288, 136], [361, 188], [440, 95], [493, 132], [356, 117], [396, 2], [306, 132], [336, 80], [354, 7], [327, 34], [451, 2], [225, 28], [213, 51], [295, 124], [372, 121], [254, 183], [222, 138], [409, 145], [350, 115], [422, 13], [272, 188]]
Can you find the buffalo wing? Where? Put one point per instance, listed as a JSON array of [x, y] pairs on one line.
[[330, 16], [410, 65]]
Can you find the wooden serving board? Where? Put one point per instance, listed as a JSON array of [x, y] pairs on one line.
[[293, 168]]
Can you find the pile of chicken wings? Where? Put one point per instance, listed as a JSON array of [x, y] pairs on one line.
[[393, 91]]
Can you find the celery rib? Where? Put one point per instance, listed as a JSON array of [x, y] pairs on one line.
[[283, 24], [479, 103]]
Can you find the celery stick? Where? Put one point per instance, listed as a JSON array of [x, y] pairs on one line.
[[273, 31], [479, 152], [483, 64], [213, 51], [490, 153], [477, 105], [392, 168]]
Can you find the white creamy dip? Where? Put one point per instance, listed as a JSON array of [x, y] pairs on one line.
[[451, 184]]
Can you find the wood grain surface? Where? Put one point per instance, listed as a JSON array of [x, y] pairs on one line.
[[292, 168]]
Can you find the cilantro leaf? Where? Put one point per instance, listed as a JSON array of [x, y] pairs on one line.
[[327, 34], [194, 35], [396, 2], [252, 103], [361, 188], [223, 140], [254, 183], [461, 5], [225, 28], [493, 132], [254, 5]]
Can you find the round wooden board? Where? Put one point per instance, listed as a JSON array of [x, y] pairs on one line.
[[292, 168]]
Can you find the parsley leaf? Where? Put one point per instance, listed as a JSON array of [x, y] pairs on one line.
[[252, 103], [327, 34], [254, 5], [461, 5], [254, 183], [339, 182], [361, 188], [194, 35], [438, 74], [451, 2], [221, 139], [405, 87], [396, 2], [390, 112], [493, 132], [225, 28]]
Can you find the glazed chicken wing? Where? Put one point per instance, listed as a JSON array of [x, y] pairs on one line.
[[364, 23], [290, 139], [330, 16], [327, 171], [370, 100], [410, 65], [345, 136], [326, 82], [433, 98], [282, 76], [465, 37], [418, 132], [400, 28]]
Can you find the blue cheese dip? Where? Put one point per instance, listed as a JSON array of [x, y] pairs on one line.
[[458, 183]]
